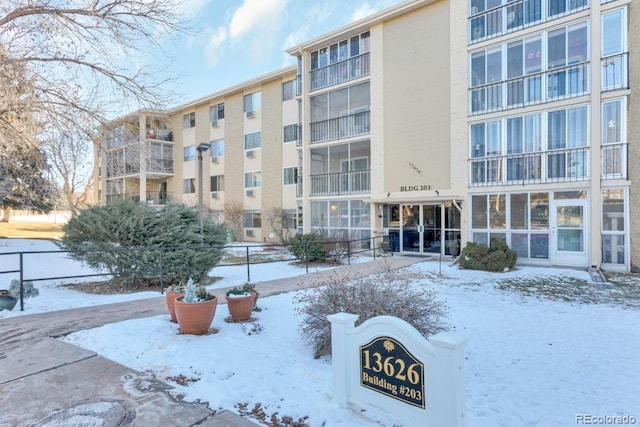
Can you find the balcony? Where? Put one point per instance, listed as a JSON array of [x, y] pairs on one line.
[[335, 184], [565, 165], [159, 165], [561, 83], [160, 135], [158, 198], [340, 72], [615, 72], [517, 15], [340, 127], [614, 161]]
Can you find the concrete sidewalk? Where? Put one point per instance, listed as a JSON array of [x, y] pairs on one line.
[[47, 382]]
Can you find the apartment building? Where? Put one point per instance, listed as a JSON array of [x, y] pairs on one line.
[[242, 141], [516, 129], [551, 125], [434, 123]]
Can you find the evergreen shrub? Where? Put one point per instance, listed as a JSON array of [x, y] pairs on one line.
[[498, 257], [131, 239], [313, 246]]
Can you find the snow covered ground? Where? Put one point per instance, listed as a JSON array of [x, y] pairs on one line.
[[530, 361]]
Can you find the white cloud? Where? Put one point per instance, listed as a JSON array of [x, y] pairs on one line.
[[214, 46], [366, 9], [320, 13], [260, 14], [193, 8]]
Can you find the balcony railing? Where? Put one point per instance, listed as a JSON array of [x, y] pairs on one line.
[[614, 161], [565, 165], [560, 83], [160, 135], [153, 198], [615, 72], [519, 14], [333, 184], [160, 165], [340, 127], [299, 186], [340, 72]]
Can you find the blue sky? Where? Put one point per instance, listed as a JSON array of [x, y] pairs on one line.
[[237, 40]]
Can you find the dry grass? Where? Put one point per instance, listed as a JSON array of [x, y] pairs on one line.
[[31, 230]]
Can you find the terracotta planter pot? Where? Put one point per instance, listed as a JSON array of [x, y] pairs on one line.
[[240, 307], [195, 317], [171, 297]]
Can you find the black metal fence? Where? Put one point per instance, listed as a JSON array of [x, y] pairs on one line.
[[337, 251]]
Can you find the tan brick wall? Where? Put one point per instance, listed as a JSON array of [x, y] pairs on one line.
[[416, 100], [271, 151]]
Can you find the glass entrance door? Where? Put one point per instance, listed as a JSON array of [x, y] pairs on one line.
[[411, 228], [569, 228]]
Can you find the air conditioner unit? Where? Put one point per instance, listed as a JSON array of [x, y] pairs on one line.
[[214, 159], [250, 153], [250, 233], [250, 115], [214, 194], [214, 123], [249, 193]]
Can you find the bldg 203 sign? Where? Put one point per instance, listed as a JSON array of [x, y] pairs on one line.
[[387, 367]]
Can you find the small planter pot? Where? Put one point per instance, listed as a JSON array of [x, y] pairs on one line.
[[171, 297], [7, 302], [195, 317], [241, 306]]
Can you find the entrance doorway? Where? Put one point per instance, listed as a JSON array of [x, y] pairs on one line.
[[423, 228], [568, 227]]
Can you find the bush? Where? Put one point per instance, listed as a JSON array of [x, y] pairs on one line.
[[311, 246], [126, 239], [389, 293], [498, 257], [28, 290]]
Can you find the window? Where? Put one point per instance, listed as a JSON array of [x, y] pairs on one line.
[[217, 148], [290, 176], [252, 179], [252, 102], [343, 102], [252, 219], [613, 139], [217, 183], [189, 153], [189, 186], [614, 46], [524, 226], [216, 112], [288, 90], [516, 148], [613, 226], [252, 141], [189, 121], [290, 133], [567, 129], [345, 49]]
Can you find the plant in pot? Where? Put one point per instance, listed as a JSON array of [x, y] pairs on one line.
[[171, 293], [9, 298], [454, 247], [241, 301], [195, 309]]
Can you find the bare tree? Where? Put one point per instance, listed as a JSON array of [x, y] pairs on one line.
[[281, 223], [89, 59], [233, 217], [69, 154]]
